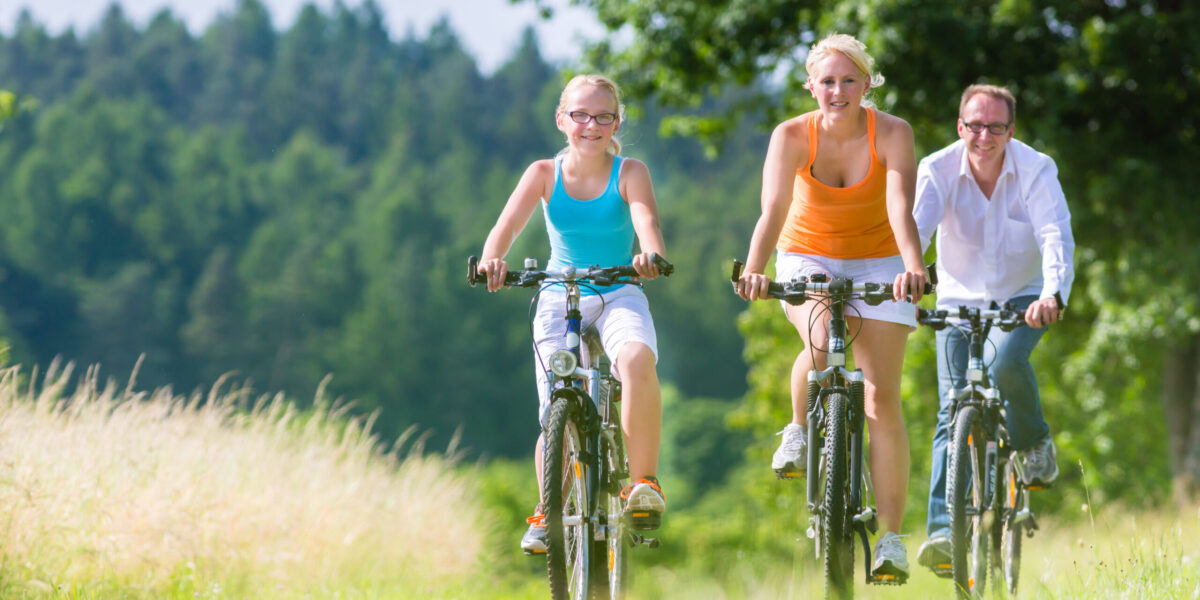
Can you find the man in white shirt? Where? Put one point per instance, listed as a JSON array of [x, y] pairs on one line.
[[1003, 235]]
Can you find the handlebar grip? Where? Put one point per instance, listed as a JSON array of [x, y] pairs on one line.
[[664, 267], [737, 270], [473, 272], [1058, 301]]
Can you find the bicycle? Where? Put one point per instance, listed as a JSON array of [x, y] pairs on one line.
[[584, 462], [982, 463], [839, 497]]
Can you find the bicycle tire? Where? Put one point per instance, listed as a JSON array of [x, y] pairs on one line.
[[610, 556], [965, 490], [837, 534], [568, 532], [1011, 533]]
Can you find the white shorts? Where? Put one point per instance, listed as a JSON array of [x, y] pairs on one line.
[[620, 316], [789, 265]]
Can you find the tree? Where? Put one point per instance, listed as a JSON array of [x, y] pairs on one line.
[[1101, 86]]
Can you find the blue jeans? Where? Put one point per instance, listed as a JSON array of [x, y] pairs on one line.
[[1011, 373]]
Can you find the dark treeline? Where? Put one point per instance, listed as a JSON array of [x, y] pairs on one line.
[[283, 205]]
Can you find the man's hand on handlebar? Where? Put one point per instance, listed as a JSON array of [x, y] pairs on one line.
[[1042, 312]]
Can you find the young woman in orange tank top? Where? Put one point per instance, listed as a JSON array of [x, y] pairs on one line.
[[837, 197]]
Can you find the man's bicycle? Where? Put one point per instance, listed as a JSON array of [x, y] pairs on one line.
[[986, 492], [584, 464], [839, 496]]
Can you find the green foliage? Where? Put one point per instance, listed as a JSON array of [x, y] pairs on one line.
[[288, 205]]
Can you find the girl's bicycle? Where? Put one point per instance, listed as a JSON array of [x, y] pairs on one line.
[[584, 464], [839, 495], [986, 492]]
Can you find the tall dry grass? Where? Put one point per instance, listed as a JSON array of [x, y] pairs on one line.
[[112, 492]]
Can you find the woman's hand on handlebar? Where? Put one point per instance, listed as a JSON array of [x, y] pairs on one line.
[[752, 286], [911, 284], [496, 270]]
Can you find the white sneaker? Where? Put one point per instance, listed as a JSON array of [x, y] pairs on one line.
[[792, 455], [1039, 463], [891, 557]]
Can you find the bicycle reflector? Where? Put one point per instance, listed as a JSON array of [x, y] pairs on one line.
[[563, 363]]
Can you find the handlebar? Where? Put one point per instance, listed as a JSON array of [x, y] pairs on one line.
[[1007, 318], [798, 290], [533, 277]]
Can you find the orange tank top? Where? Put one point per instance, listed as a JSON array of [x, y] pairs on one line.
[[839, 222]]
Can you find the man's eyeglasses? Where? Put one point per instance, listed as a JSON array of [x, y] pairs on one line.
[[601, 119], [993, 128]]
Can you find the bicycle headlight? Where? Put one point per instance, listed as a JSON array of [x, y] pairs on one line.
[[563, 363]]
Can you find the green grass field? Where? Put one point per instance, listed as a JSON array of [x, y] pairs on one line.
[[106, 492], [110, 493]]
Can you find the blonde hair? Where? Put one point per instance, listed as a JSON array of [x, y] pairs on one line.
[[847, 46], [995, 91], [600, 81]]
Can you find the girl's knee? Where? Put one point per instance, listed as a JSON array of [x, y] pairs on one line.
[[636, 357]]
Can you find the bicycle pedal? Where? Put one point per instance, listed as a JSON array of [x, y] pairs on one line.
[[644, 520], [1037, 485], [534, 552], [943, 570], [888, 579], [640, 540], [786, 473]]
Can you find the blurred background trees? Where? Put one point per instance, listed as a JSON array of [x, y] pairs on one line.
[[284, 205]]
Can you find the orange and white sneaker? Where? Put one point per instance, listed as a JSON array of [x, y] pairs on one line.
[[534, 540], [644, 503]]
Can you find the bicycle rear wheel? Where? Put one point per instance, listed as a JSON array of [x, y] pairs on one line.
[[965, 494], [1015, 501], [568, 533], [837, 535]]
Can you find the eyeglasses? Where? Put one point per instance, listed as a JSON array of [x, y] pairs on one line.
[[601, 119], [993, 128]]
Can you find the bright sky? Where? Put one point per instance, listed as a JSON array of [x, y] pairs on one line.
[[489, 29]]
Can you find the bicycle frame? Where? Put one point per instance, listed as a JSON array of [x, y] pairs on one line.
[[582, 393], [978, 398], [835, 378], [837, 430]]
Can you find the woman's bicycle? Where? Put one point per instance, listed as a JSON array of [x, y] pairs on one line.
[[584, 464], [986, 492], [839, 496]]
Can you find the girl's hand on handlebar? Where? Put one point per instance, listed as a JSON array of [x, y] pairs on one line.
[[752, 286], [495, 269], [645, 266], [911, 284]]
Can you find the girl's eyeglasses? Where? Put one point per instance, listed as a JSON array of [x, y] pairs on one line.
[[601, 119]]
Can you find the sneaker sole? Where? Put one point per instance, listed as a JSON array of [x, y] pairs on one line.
[[789, 471], [644, 520], [889, 574]]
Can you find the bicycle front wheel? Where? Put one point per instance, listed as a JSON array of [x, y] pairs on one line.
[[837, 535], [564, 487], [610, 555], [1015, 504], [965, 495]]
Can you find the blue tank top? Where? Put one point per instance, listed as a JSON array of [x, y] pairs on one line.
[[586, 233]]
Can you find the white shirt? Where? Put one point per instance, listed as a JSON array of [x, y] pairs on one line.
[[1018, 243]]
